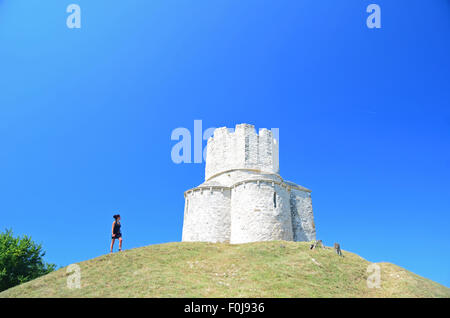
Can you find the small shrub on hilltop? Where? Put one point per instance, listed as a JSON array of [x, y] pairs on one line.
[[21, 260]]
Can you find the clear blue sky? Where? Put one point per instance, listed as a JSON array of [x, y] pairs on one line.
[[364, 116]]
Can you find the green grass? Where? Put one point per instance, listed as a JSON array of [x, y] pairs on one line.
[[263, 269]]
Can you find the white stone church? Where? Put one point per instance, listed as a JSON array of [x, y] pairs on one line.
[[244, 198]]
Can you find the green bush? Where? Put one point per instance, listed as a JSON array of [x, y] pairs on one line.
[[21, 260]]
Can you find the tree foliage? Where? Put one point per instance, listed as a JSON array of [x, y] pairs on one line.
[[21, 260]]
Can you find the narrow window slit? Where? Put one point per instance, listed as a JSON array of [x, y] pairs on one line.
[[274, 199]]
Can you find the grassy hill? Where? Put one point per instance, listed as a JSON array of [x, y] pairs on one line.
[[263, 269]]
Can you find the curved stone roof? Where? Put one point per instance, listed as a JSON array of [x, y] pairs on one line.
[[210, 183], [253, 177], [294, 185]]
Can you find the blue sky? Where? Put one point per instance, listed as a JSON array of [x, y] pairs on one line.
[[86, 117]]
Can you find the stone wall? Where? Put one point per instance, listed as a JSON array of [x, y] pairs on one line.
[[302, 215], [260, 211], [207, 215]]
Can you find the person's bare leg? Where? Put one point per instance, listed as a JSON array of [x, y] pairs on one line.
[[112, 245], [120, 244]]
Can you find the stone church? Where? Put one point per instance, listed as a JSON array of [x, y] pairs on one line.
[[244, 198]]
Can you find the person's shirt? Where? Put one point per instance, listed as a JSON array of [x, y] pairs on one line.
[[116, 227]]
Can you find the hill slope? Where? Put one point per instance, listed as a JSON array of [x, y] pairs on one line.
[[263, 269]]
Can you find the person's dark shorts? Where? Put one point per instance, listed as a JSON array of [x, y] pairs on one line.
[[117, 236]]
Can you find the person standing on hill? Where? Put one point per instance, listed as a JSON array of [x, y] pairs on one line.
[[116, 234]]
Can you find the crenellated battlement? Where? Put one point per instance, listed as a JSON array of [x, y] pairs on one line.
[[241, 149]]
